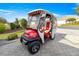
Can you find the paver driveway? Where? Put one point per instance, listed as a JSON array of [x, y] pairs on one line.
[[66, 43]]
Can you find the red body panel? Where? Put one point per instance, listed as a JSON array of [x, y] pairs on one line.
[[47, 34], [30, 33]]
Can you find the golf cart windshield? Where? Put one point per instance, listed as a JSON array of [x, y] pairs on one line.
[[33, 21]]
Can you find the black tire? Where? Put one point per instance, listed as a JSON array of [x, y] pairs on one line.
[[53, 37], [34, 47]]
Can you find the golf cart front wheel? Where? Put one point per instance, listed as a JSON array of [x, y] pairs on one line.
[[34, 47]]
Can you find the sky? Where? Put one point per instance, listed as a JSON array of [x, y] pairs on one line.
[[10, 11]]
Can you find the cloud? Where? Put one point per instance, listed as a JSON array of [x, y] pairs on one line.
[[57, 15], [6, 11], [72, 15]]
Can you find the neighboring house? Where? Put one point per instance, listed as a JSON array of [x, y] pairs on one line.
[[60, 22]]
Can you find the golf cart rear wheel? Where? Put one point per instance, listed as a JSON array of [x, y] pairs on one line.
[[34, 47], [53, 37]]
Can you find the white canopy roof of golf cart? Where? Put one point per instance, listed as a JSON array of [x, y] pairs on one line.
[[38, 11]]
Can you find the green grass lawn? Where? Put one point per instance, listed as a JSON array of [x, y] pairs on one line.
[[4, 36]]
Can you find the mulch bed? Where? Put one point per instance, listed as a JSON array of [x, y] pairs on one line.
[[10, 31]]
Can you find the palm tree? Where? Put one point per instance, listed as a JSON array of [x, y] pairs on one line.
[[23, 23], [77, 10], [17, 23]]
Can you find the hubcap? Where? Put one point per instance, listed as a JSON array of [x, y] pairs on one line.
[[35, 48]]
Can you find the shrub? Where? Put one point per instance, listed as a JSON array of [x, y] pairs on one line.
[[12, 36], [12, 25], [2, 27], [7, 26]]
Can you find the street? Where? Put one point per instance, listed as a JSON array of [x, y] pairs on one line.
[[66, 43]]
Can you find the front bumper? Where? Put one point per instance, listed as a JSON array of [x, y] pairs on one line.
[[25, 40]]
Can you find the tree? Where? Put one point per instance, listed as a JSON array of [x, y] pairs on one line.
[[23, 23], [17, 23], [71, 20], [2, 27], [2, 20]]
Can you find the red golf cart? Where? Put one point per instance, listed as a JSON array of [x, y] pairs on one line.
[[41, 28]]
